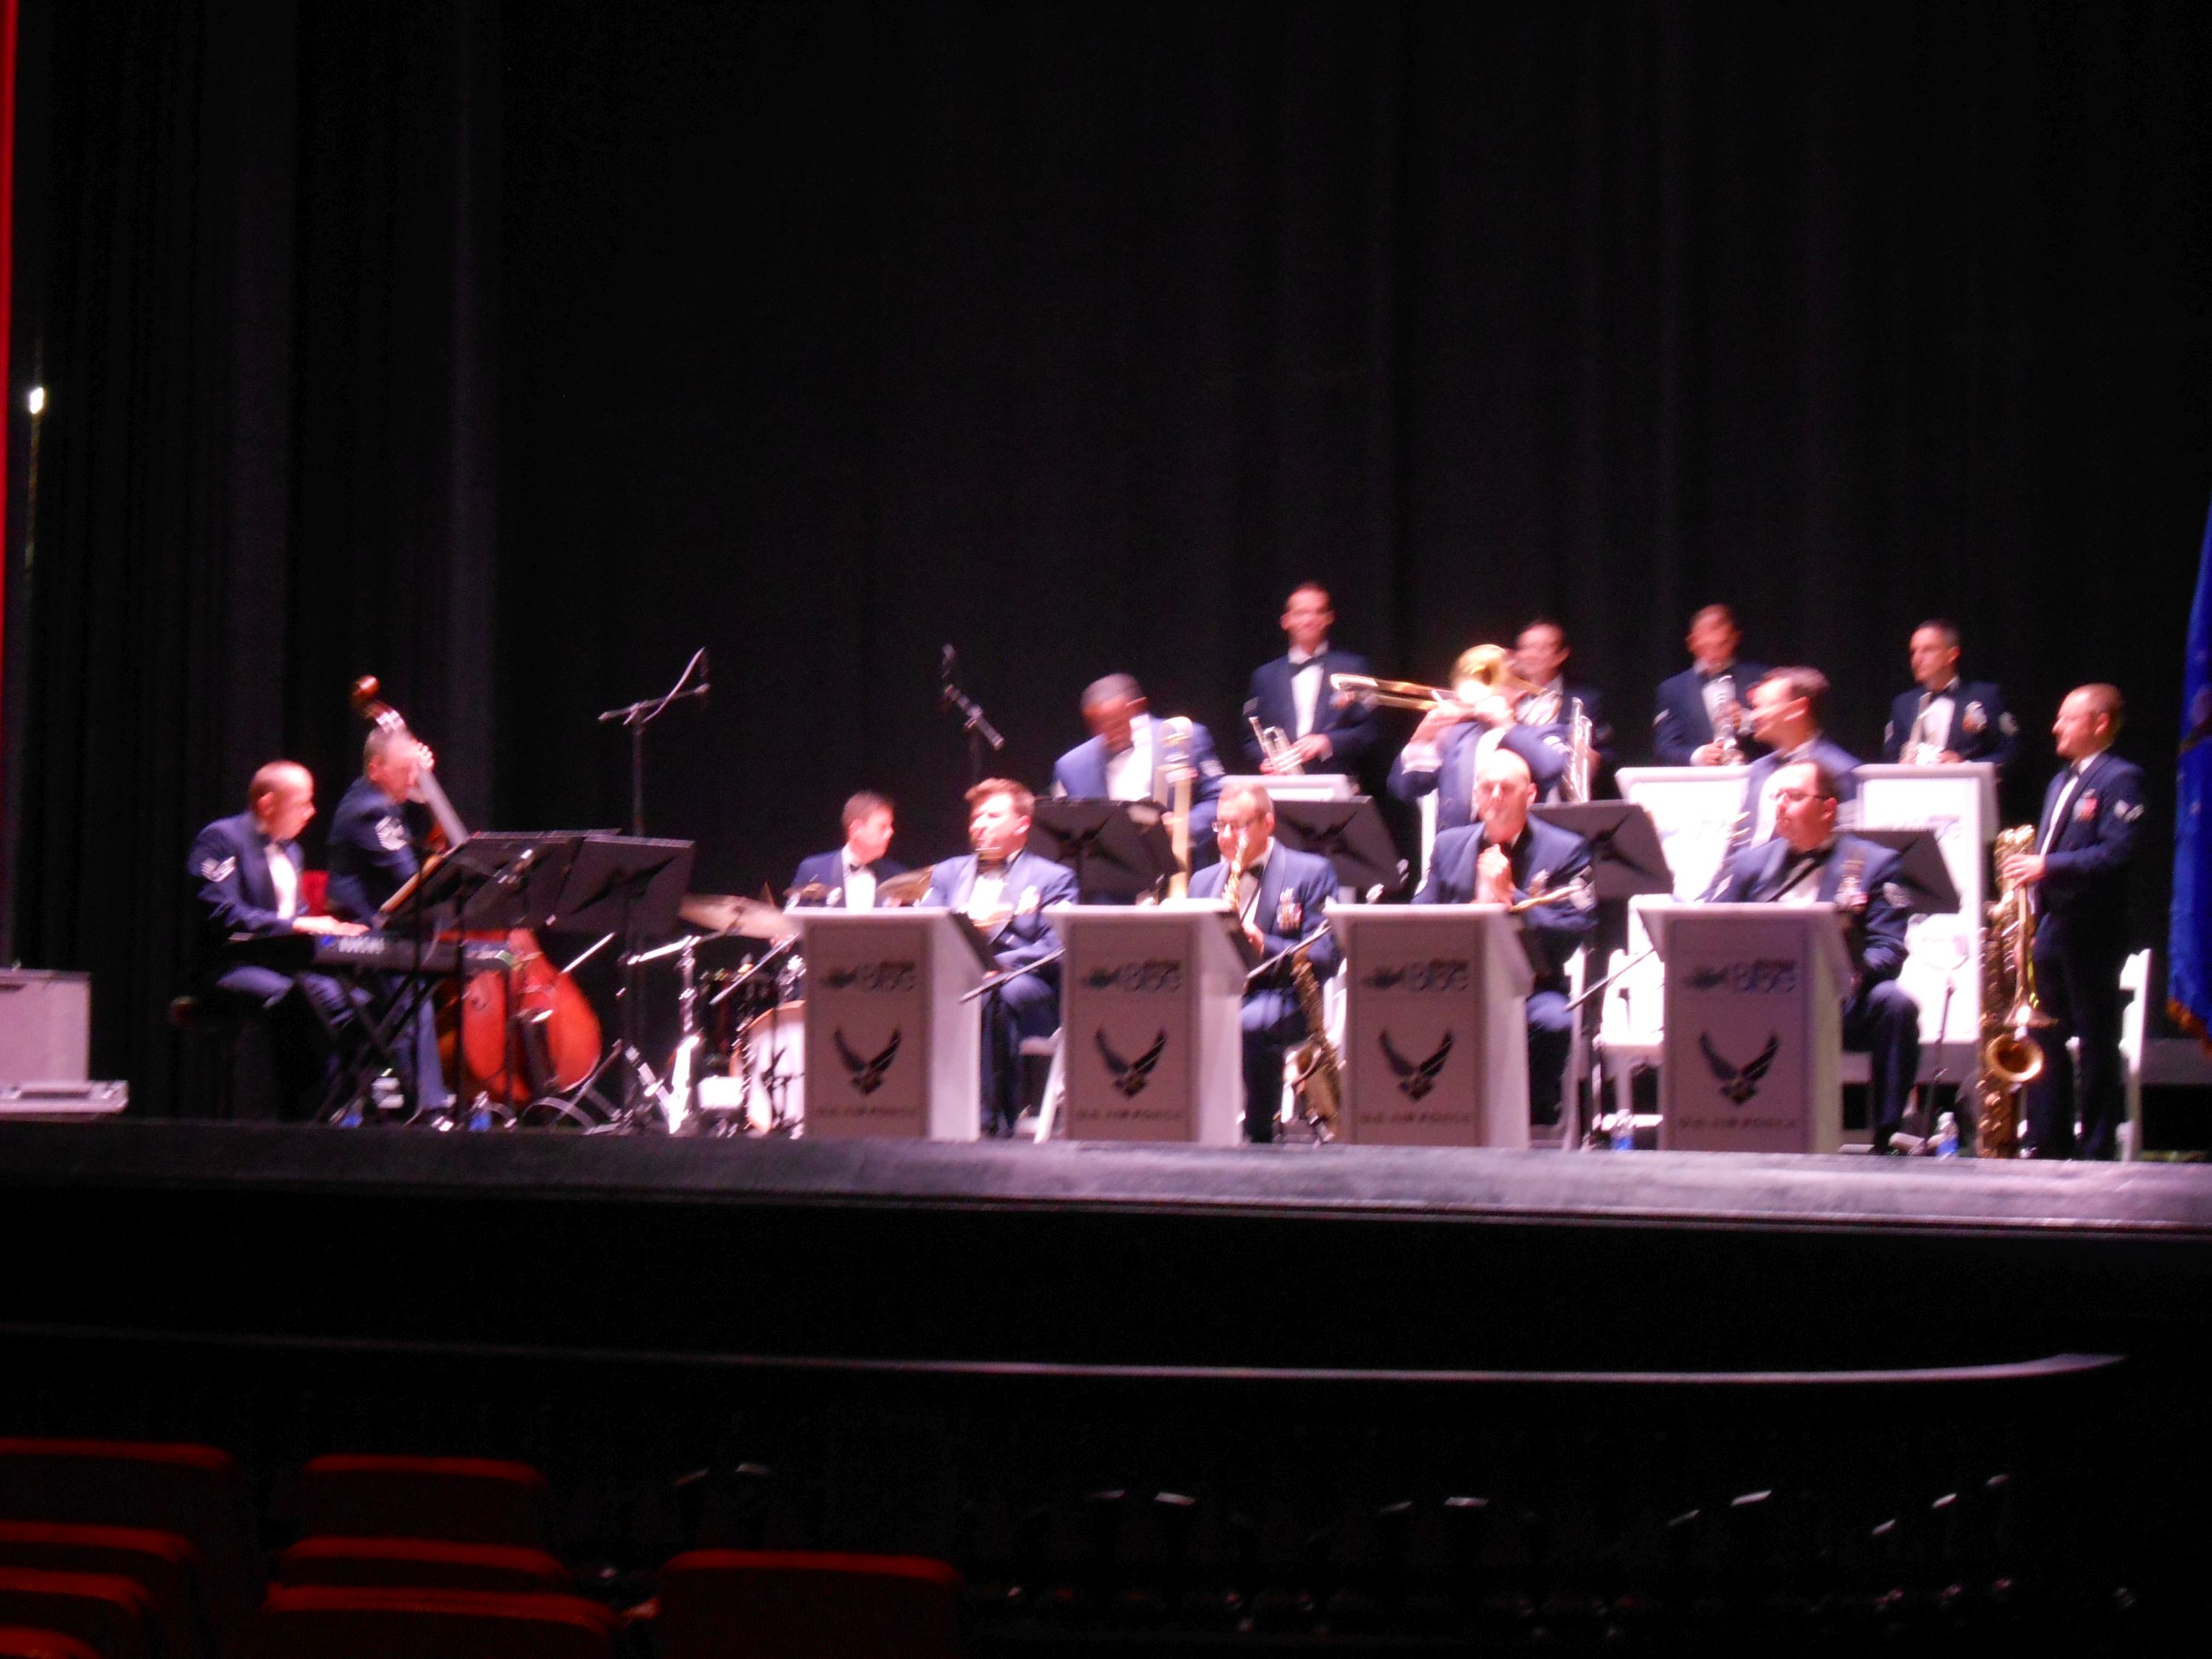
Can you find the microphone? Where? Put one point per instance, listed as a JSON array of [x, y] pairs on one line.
[[706, 675], [948, 672]]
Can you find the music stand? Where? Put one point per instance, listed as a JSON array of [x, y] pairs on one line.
[[1351, 834], [627, 888], [1626, 858], [1118, 849], [1922, 872]]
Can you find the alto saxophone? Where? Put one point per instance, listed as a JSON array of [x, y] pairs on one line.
[[2009, 1058], [1315, 1075]]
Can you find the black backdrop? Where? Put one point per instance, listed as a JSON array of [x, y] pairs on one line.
[[513, 352]]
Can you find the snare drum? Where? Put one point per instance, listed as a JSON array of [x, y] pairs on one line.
[[771, 1060]]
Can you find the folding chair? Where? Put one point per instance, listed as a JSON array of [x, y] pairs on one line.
[[463, 1500], [421, 1563]]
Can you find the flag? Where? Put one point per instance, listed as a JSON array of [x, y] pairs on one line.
[[2189, 939]]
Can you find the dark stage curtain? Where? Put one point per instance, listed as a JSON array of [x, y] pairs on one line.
[[512, 353]]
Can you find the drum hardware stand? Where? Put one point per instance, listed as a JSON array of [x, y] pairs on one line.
[[973, 719], [634, 717], [776, 1083]]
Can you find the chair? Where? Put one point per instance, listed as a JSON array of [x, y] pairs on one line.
[[213, 1029], [791, 1604], [162, 1564], [462, 1500], [421, 1563], [319, 1621], [17, 1642], [192, 1492], [110, 1614]]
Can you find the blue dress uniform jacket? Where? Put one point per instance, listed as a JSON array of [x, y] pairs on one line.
[[829, 869], [2088, 836], [1981, 729], [1559, 734], [1080, 775], [1880, 1019], [1025, 1007], [372, 852], [1350, 728], [1294, 890], [1682, 726], [237, 896], [1841, 765], [1453, 781]]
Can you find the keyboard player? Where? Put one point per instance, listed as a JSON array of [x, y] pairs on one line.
[[246, 869]]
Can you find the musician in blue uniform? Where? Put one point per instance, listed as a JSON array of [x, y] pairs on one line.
[[2084, 844], [1549, 706], [373, 837], [1505, 857], [846, 878], [1704, 718], [1130, 756], [1291, 694], [1944, 718], [1786, 707], [246, 869], [1005, 889], [1448, 748], [1282, 895]]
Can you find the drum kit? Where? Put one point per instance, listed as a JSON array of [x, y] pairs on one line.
[[739, 1058]]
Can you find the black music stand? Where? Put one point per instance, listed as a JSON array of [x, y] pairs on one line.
[[627, 888], [1351, 835], [1626, 859], [1118, 849], [1926, 880]]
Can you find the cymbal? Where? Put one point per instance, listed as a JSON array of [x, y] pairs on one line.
[[908, 889], [729, 913]]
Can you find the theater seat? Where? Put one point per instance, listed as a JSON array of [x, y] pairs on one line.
[[791, 1604], [421, 1563], [463, 1500], [162, 1564], [318, 1621], [17, 1642], [111, 1615], [192, 1492]]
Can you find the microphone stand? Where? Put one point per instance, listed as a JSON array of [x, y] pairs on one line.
[[973, 719], [637, 716]]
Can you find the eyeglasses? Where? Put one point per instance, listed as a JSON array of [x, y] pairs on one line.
[[1800, 794]]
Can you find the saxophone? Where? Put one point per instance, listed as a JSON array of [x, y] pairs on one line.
[[2009, 1058], [1316, 1076]]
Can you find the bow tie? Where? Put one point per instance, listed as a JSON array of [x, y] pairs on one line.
[[1300, 667]]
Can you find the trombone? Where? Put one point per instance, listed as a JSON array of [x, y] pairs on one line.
[[1482, 667]]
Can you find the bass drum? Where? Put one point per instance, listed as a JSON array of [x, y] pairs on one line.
[[770, 1059]]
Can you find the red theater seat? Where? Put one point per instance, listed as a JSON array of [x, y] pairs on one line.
[[463, 1500], [191, 1490], [317, 1621], [111, 1615], [420, 1564], [791, 1604], [16, 1643], [162, 1564]]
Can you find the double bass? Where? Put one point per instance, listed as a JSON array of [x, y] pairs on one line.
[[556, 1035]]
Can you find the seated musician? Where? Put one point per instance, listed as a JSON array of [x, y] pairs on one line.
[[846, 878], [247, 868], [1786, 707], [1807, 862], [373, 854], [1447, 751], [1281, 895], [1004, 889], [1505, 857], [1291, 695], [1129, 757]]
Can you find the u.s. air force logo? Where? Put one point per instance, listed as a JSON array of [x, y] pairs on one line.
[[218, 869], [390, 834]]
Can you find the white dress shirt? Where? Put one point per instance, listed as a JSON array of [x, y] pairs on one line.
[[1129, 774], [860, 884], [283, 876], [1305, 690]]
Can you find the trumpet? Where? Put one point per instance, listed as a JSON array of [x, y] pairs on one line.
[[1275, 747], [1483, 667]]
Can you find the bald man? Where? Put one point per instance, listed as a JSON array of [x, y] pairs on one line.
[[1505, 857], [2084, 845], [246, 874]]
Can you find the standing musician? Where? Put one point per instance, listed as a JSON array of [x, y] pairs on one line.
[[1005, 889], [1281, 895], [846, 878], [1701, 719], [1126, 759], [248, 871], [1807, 862], [2084, 845], [1539, 658], [1785, 716], [373, 856], [1504, 857], [1945, 719], [1291, 695], [1447, 748]]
